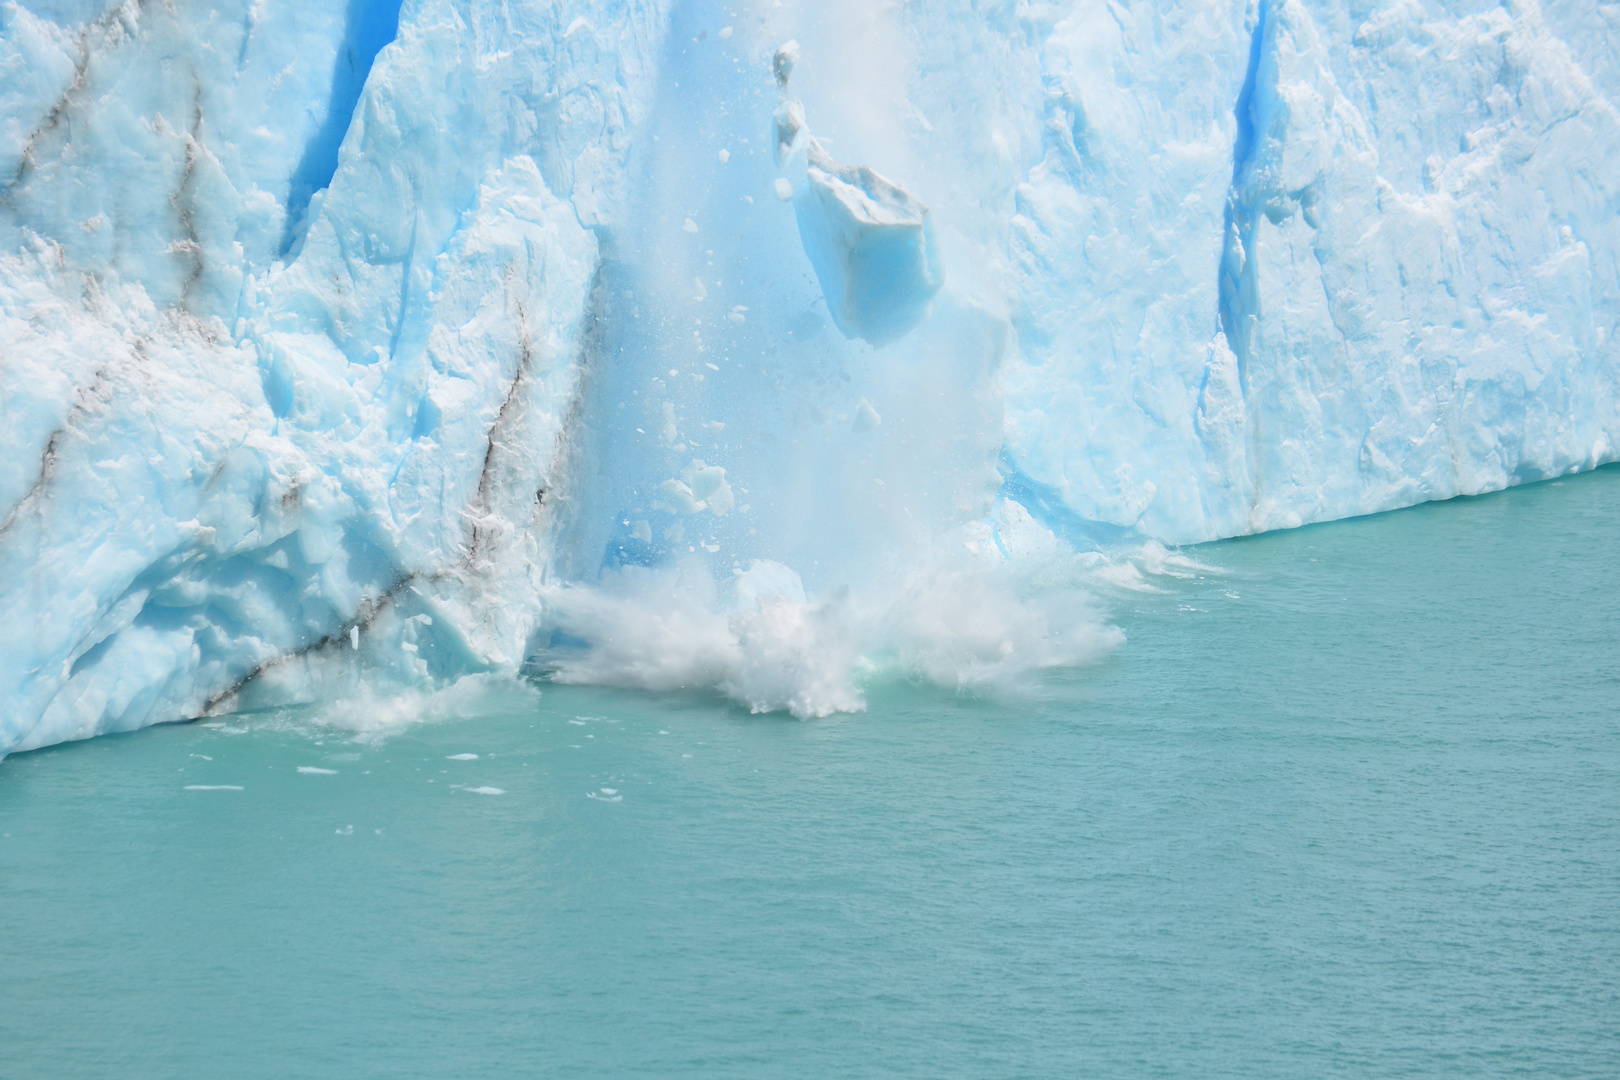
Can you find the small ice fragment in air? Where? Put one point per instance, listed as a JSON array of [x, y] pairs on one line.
[[698, 291], [866, 417], [784, 190], [642, 530], [354, 637], [749, 199], [871, 243], [787, 54], [725, 32], [790, 129], [462, 757], [677, 498], [708, 485], [690, 226], [311, 770], [725, 156], [484, 791]]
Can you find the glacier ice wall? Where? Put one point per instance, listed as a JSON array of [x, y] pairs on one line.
[[331, 335]]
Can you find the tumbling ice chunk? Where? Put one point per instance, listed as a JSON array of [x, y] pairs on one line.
[[790, 130], [866, 417], [767, 580], [873, 248], [787, 54]]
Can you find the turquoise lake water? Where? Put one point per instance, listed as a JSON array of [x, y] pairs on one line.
[[1348, 804]]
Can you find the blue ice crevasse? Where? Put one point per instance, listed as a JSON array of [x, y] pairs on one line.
[[872, 246]]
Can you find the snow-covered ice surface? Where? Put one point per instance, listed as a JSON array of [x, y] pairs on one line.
[[343, 346]]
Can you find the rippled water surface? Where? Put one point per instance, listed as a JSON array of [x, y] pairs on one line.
[[1348, 804]]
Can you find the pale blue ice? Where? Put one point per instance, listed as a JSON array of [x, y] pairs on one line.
[[383, 344]]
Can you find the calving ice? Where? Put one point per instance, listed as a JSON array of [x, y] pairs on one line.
[[352, 347]]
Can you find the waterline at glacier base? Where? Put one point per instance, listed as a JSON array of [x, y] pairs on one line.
[[1344, 804]]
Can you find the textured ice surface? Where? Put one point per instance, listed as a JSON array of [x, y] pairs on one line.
[[333, 336], [872, 247]]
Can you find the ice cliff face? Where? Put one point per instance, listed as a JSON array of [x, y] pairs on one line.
[[238, 428], [329, 336]]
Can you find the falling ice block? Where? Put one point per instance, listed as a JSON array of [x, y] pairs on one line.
[[873, 249]]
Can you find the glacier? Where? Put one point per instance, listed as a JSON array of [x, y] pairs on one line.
[[346, 344]]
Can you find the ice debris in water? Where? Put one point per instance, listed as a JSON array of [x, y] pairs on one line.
[[872, 246]]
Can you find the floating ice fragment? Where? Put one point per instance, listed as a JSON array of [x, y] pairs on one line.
[[872, 245], [784, 190], [311, 770], [462, 757], [213, 787], [484, 791]]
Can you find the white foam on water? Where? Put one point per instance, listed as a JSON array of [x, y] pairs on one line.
[[214, 787], [311, 770], [775, 649], [462, 757], [372, 710], [485, 791]]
